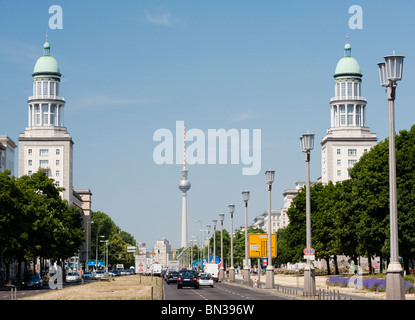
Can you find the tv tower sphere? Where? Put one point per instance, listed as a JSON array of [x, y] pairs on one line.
[[184, 183]]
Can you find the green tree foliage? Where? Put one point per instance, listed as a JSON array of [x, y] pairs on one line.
[[104, 228], [35, 221]]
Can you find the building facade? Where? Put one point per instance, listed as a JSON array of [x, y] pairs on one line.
[[163, 253], [7, 147], [348, 137]]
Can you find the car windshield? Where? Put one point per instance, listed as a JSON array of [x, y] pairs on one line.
[[72, 274], [100, 271], [187, 275], [205, 276]]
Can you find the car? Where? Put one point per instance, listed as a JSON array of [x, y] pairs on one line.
[[114, 273], [88, 276], [32, 281], [205, 279], [172, 277], [187, 279], [123, 272], [73, 277], [99, 274]]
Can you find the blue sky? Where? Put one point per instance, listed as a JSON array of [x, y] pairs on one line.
[[133, 67]]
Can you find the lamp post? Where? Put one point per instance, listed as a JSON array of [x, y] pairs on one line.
[[222, 269], [106, 255], [245, 198], [390, 72], [269, 177], [231, 268], [208, 230], [96, 252], [214, 240], [307, 144], [88, 227]]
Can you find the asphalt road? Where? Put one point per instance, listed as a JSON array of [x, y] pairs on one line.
[[220, 291]]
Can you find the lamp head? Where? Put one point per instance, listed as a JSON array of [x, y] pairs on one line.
[[231, 208], [245, 195], [307, 142], [269, 176]]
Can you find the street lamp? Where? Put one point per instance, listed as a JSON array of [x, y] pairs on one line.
[[88, 227], [214, 240], [390, 72], [245, 198], [106, 255], [96, 252], [307, 144], [208, 230], [269, 178], [221, 271], [231, 268]]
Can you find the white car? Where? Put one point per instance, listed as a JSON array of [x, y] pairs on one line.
[[73, 277], [99, 274], [205, 279]]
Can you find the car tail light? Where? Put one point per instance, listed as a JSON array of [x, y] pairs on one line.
[[211, 278], [199, 278], [194, 279], [180, 279]]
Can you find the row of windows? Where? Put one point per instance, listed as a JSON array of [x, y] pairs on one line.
[[347, 89], [44, 164], [45, 89], [45, 115], [350, 115], [43, 152], [350, 163]]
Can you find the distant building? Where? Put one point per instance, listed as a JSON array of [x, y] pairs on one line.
[[7, 147], [163, 253]]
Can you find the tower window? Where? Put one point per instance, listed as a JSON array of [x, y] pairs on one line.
[[339, 162], [352, 152], [29, 152], [44, 164], [339, 173], [58, 152], [43, 152], [338, 151]]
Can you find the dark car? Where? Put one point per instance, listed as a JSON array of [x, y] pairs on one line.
[[33, 281], [187, 279], [172, 277]]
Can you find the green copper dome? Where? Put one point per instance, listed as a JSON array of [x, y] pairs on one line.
[[46, 65], [347, 66]]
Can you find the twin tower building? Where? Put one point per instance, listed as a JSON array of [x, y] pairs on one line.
[[47, 145]]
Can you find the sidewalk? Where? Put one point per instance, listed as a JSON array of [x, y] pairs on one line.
[[298, 282]]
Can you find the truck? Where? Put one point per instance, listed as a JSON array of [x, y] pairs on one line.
[[140, 264], [156, 269], [173, 264], [213, 269]]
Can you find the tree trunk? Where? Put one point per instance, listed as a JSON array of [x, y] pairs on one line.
[[336, 265], [327, 258], [369, 259]]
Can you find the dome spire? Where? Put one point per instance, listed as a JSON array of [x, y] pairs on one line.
[[46, 47]]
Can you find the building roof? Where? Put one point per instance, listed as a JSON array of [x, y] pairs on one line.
[[46, 65], [347, 65]]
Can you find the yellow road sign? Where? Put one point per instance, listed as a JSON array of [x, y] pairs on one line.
[[258, 245]]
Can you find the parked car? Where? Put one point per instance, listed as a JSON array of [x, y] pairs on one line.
[[172, 277], [88, 276], [187, 279], [129, 272], [205, 279], [73, 277], [114, 273], [123, 272], [32, 281], [99, 274]]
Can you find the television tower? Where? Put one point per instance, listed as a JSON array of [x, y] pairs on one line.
[[184, 186]]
